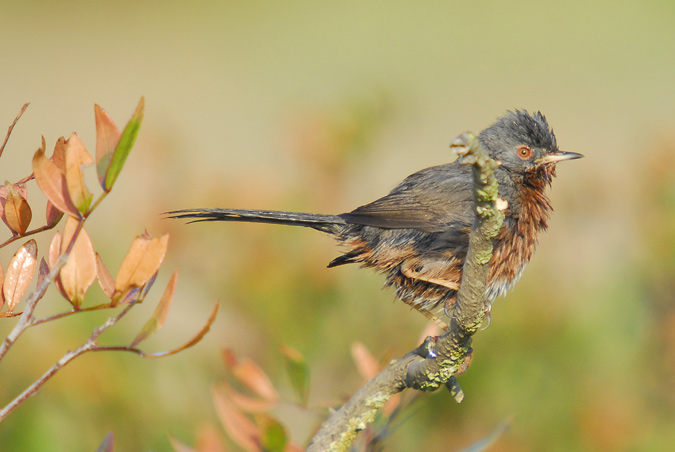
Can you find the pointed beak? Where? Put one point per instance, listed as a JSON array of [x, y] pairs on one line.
[[559, 157]]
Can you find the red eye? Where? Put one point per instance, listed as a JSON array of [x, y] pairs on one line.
[[524, 152]]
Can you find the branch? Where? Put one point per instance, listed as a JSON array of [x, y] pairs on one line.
[[435, 362], [88, 346], [9, 132]]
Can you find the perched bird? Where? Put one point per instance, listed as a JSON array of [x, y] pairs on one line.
[[418, 234]]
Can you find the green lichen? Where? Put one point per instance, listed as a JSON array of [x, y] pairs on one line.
[[489, 192], [484, 257]]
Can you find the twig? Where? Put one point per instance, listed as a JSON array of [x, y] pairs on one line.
[[26, 234], [9, 132], [435, 362], [88, 346], [69, 313]]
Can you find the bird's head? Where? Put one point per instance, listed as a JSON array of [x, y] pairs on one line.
[[525, 145]]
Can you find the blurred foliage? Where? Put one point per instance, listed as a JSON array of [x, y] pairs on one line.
[[317, 107]]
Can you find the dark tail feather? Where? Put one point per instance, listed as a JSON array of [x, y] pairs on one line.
[[325, 223]]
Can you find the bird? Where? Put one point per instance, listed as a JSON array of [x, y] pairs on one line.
[[418, 234]]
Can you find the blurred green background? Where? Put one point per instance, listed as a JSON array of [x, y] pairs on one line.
[[323, 107]]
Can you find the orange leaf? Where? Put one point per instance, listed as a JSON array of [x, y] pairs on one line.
[[156, 321], [2, 294], [240, 428], [76, 157], [43, 271], [366, 363], [210, 439], [80, 270], [19, 273], [229, 357], [17, 213], [53, 215], [53, 257], [54, 249], [254, 378], [290, 447], [3, 195], [198, 337], [107, 136], [141, 263], [52, 182], [246, 403], [105, 280], [180, 447], [59, 155]]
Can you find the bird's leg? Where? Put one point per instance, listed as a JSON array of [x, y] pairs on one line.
[[429, 315]]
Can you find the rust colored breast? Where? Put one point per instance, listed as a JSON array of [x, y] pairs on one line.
[[517, 240]]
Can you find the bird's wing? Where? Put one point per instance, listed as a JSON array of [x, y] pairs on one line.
[[432, 200]]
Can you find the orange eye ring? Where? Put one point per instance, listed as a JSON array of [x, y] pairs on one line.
[[524, 152]]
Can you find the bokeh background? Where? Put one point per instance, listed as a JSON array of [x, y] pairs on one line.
[[322, 107]]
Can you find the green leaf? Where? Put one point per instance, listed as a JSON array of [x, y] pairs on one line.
[[273, 435], [124, 146], [298, 372]]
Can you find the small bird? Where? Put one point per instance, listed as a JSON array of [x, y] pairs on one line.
[[418, 234]]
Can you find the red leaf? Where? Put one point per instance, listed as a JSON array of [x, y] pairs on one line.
[[53, 215], [43, 271]]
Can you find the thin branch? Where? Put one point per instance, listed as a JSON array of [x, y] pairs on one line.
[[26, 234], [89, 345], [71, 312], [9, 132], [437, 361]]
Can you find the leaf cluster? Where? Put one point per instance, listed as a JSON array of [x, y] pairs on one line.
[[71, 262]]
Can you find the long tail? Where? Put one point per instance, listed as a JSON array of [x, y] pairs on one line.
[[325, 223]]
